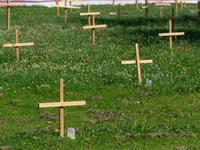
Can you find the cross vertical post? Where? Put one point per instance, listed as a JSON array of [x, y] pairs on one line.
[[8, 12], [16, 41], [136, 3], [65, 10], [88, 9], [146, 1], [93, 30], [170, 31], [161, 8], [57, 8], [61, 109], [70, 4], [113, 3], [176, 8]]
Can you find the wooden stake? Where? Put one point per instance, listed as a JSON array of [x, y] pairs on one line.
[[57, 8], [146, 1], [161, 8], [61, 104], [172, 18], [138, 62], [88, 8], [136, 4], [93, 30], [170, 34], [16, 41], [176, 8], [61, 110], [65, 10], [16, 44], [70, 4]]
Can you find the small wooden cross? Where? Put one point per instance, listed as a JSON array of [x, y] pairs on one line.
[[70, 3], [16, 44], [161, 5], [197, 10], [172, 18], [146, 7], [93, 26], [63, 6], [118, 13], [170, 34], [8, 11], [138, 62], [61, 104]]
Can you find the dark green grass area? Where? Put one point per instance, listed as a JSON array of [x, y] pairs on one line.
[[120, 113]]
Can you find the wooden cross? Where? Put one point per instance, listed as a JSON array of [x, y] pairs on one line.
[[70, 3], [93, 26], [138, 62], [182, 3], [8, 11], [197, 10], [63, 6], [170, 34], [172, 18], [16, 44], [161, 5], [146, 7], [61, 104], [118, 13]]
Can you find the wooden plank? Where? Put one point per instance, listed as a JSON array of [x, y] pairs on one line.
[[10, 4], [162, 4], [62, 6], [95, 26], [171, 34], [17, 44], [113, 13], [136, 3], [134, 62], [61, 104], [16, 41], [144, 7], [61, 110], [192, 11], [89, 13]]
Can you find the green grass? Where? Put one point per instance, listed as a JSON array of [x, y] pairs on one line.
[[111, 90]]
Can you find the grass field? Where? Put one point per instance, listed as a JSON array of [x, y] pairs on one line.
[[119, 113]]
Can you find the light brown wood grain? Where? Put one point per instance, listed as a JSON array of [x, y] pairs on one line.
[[18, 44], [95, 26]]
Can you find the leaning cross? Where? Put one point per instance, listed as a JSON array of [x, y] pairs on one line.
[[172, 18], [161, 5], [8, 11], [170, 34], [146, 7], [61, 104], [64, 6], [16, 44], [138, 62], [197, 10], [93, 26], [118, 13]]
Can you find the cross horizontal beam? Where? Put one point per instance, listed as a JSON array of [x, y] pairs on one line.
[[95, 26], [194, 11], [17, 44], [171, 34], [162, 4], [116, 13], [10, 4], [61, 104], [63, 6], [90, 13], [144, 7], [134, 61]]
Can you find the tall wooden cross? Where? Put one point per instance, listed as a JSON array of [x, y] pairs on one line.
[[8, 11], [161, 5], [70, 3], [61, 105], [63, 6], [172, 18], [146, 7], [16, 44], [118, 13], [93, 26], [170, 34], [192, 11], [138, 62]]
